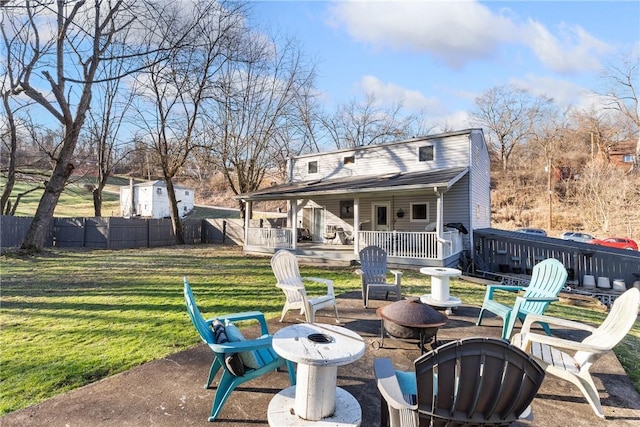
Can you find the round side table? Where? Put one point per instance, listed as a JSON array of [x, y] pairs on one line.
[[318, 350]]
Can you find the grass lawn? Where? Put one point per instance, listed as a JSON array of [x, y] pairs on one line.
[[71, 317]]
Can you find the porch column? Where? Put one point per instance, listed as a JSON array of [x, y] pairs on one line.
[[439, 214], [294, 223], [248, 213], [356, 225]]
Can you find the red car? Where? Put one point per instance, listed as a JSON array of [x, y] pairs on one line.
[[616, 242]]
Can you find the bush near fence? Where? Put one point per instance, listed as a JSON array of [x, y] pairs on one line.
[[121, 233]]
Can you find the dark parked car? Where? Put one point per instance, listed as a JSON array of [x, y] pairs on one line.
[[576, 236], [616, 242], [535, 231]]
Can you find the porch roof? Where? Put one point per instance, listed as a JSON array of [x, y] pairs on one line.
[[442, 179]]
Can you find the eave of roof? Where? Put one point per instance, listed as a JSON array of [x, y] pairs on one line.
[[441, 179]]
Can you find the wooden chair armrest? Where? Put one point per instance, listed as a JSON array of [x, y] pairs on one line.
[[247, 315], [532, 318], [388, 384], [539, 299], [396, 273], [560, 343], [492, 288], [327, 282], [241, 346]]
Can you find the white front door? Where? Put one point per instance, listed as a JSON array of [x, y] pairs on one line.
[[380, 219]]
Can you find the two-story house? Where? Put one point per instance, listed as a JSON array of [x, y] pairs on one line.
[[419, 199]]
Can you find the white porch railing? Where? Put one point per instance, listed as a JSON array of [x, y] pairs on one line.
[[423, 245], [279, 238]]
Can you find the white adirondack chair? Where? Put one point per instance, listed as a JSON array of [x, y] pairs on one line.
[[572, 360], [285, 267]]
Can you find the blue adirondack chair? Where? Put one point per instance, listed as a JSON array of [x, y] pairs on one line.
[[547, 280], [374, 272], [267, 359]]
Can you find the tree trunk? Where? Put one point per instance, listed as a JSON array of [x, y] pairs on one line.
[[35, 238], [175, 216], [97, 202], [5, 205]]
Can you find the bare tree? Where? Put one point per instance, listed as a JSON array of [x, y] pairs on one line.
[[257, 106], [365, 122], [173, 91], [105, 122], [510, 115], [55, 51]]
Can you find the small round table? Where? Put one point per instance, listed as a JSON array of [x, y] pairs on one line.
[[318, 350], [440, 288]]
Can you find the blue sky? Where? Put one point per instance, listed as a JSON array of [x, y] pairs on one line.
[[437, 56]]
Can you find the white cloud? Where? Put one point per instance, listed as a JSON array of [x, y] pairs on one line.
[[390, 93], [575, 51], [454, 32], [462, 31]]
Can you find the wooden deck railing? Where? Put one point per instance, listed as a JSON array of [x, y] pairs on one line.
[[421, 245], [506, 251]]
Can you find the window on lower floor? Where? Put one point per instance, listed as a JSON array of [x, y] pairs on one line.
[[420, 212]]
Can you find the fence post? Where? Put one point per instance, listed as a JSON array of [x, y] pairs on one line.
[[224, 231]]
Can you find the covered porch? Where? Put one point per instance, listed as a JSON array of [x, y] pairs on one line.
[[417, 221]]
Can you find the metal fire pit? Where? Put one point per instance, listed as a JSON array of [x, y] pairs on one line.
[[410, 320]]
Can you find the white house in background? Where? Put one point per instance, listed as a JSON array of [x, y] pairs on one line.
[[420, 199], [150, 200]]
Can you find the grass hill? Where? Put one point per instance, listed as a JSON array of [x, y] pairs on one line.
[[77, 201]]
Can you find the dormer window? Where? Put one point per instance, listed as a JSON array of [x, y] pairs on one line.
[[426, 153], [313, 166]]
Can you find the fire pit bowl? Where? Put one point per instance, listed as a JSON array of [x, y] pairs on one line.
[[410, 320]]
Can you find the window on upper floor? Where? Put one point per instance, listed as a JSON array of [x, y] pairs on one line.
[[349, 160], [159, 190], [627, 158], [419, 212], [426, 153], [313, 166]]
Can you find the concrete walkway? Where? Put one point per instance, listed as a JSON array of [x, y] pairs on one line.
[[169, 392]]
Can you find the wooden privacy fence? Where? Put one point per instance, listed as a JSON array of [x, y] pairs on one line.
[[502, 251], [120, 233]]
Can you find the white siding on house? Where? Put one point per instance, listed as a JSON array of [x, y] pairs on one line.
[[450, 151]]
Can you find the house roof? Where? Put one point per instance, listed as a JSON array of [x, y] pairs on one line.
[[441, 179]]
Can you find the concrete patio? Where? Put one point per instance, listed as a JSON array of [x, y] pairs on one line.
[[169, 392]]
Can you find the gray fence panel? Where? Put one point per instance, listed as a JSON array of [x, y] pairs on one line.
[[504, 251], [13, 229], [69, 232], [128, 233], [192, 230], [96, 232], [218, 230], [121, 233], [161, 233]]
